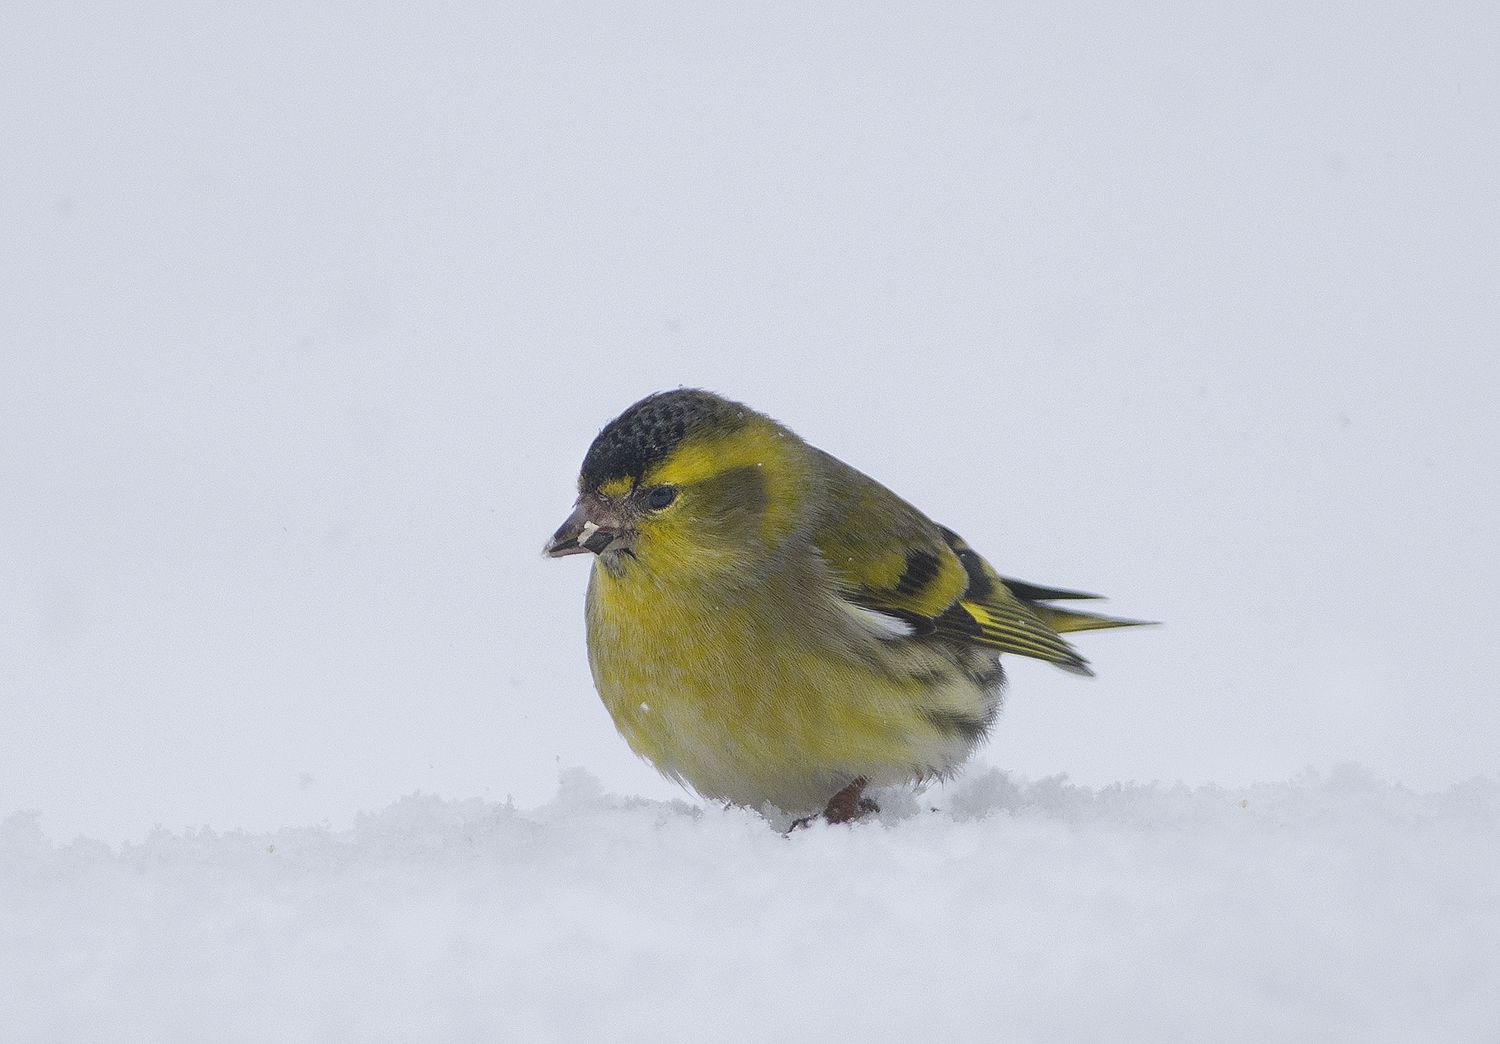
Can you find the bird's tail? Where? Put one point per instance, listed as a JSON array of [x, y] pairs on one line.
[[1064, 621]]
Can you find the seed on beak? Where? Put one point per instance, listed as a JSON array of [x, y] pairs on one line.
[[580, 534], [595, 538]]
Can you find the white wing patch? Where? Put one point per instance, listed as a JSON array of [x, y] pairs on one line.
[[881, 625]]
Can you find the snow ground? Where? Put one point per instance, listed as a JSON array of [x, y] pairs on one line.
[[1335, 907]]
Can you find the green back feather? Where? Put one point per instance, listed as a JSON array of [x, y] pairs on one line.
[[887, 556]]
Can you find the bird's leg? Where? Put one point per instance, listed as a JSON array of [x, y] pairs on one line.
[[849, 804], [844, 807]]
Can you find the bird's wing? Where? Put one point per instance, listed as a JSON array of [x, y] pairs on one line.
[[889, 559]]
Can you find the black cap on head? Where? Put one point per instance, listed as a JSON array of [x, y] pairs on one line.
[[645, 433]]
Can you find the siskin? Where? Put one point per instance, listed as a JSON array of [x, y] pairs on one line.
[[767, 625]]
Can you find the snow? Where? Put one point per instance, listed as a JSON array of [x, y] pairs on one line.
[[1337, 907]]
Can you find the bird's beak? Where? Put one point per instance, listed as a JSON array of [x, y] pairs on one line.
[[588, 528]]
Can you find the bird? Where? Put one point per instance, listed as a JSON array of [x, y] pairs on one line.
[[775, 629]]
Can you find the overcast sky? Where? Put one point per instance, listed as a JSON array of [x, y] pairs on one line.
[[308, 314]]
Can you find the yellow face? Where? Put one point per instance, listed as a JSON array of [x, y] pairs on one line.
[[716, 502], [736, 496]]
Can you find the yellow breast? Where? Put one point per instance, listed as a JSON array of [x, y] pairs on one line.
[[750, 706]]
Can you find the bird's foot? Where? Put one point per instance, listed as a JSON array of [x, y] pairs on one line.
[[844, 807]]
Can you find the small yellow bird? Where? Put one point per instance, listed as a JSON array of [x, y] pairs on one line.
[[770, 626]]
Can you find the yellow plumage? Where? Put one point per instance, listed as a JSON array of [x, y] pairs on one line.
[[770, 626]]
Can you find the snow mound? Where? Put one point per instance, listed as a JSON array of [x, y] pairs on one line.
[[1335, 907]]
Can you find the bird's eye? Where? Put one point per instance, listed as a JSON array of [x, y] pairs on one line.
[[659, 497]]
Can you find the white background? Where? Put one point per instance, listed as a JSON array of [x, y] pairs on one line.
[[308, 314]]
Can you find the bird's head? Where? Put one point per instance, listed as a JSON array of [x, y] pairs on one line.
[[685, 483]]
